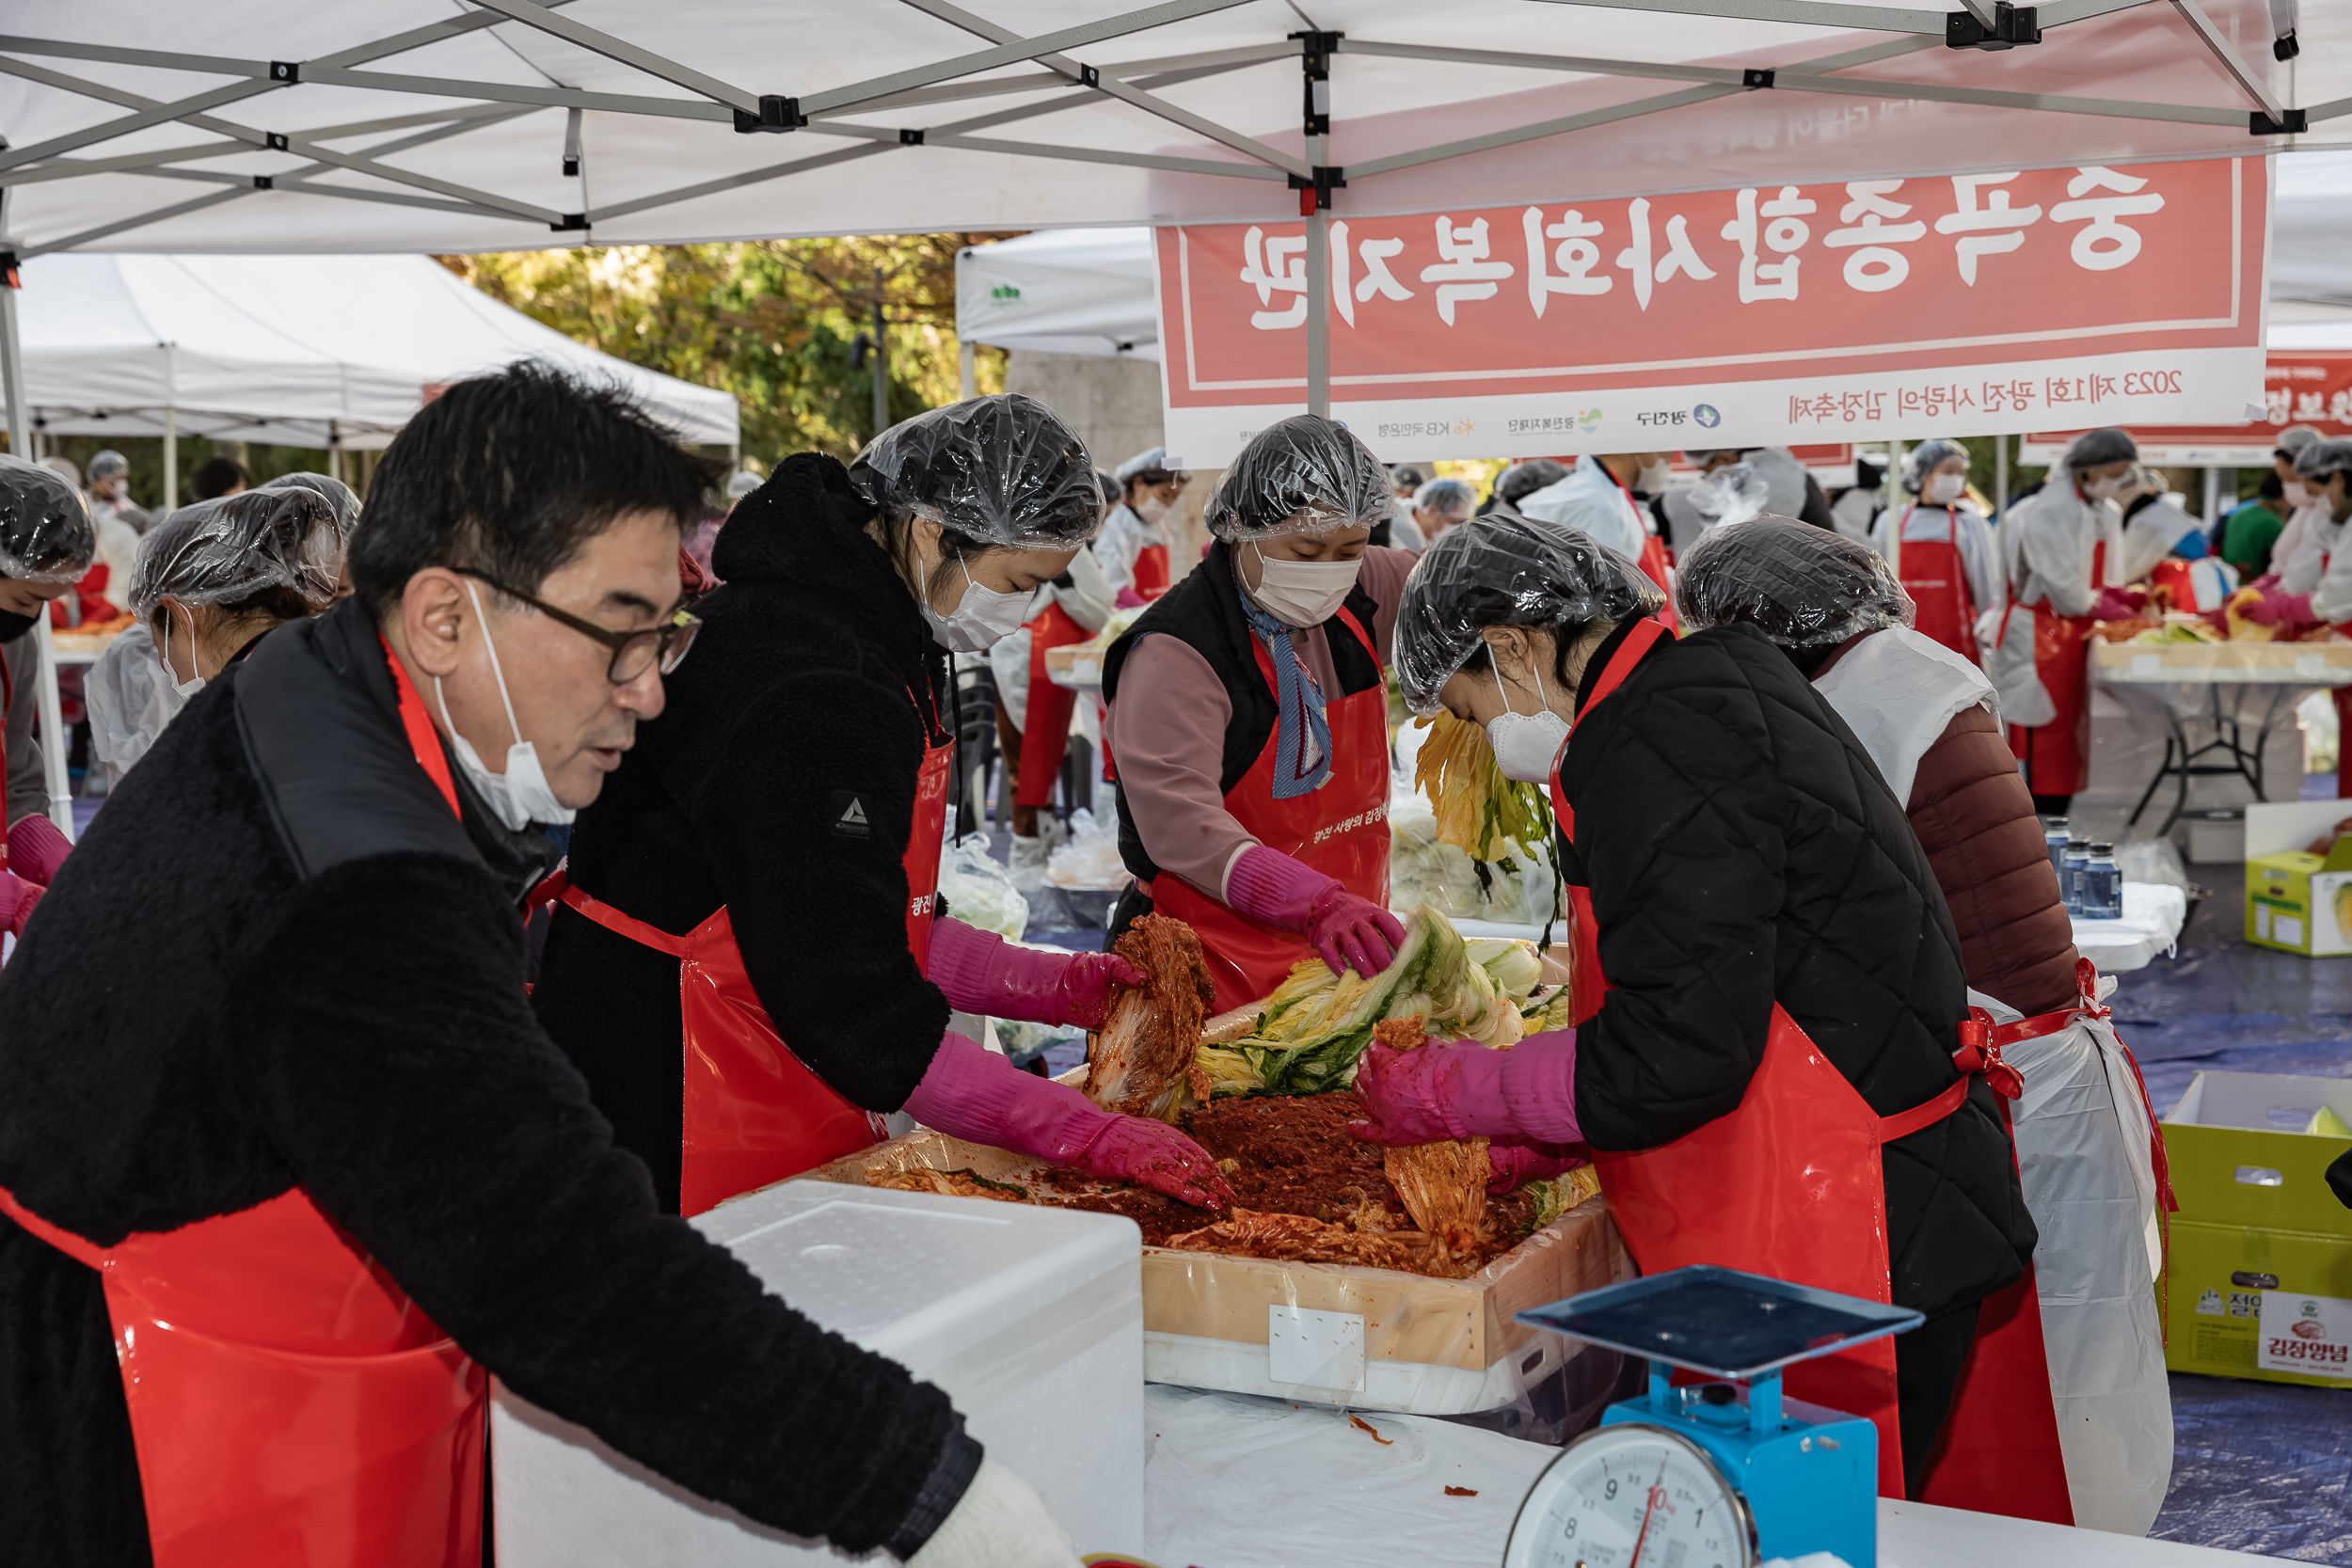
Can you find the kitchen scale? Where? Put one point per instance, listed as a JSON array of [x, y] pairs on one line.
[[1710, 1475]]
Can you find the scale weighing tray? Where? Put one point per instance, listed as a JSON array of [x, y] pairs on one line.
[[1708, 1475]]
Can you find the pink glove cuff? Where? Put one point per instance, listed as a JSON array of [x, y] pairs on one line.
[[964, 962], [971, 1093], [1128, 599], [1266, 884], [35, 848], [1538, 1081]]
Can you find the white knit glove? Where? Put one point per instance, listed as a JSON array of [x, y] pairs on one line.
[[1000, 1522]]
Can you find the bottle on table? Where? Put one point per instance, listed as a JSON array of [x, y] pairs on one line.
[[2070, 874], [2054, 834], [2101, 882]]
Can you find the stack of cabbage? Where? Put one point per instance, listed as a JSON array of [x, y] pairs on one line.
[[1311, 1032]]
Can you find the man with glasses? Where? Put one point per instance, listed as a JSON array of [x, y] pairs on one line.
[[282, 1147]]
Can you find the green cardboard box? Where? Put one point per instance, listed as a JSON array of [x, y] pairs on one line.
[[2296, 901], [2261, 1276]]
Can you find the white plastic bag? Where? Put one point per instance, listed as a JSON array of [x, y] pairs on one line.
[[979, 891], [1089, 858], [2151, 860]]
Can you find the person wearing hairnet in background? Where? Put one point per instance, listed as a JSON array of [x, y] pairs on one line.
[[2299, 502], [2086, 1133], [1249, 712], [2314, 584], [1032, 711], [1441, 505], [2065, 557], [1940, 547], [110, 490], [1519, 481], [46, 544], [1133, 548], [211, 579], [1767, 1063], [1597, 497], [753, 893]]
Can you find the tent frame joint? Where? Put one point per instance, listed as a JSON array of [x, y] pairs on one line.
[[264, 181], [777, 113], [285, 72], [570, 223], [2012, 25], [1315, 187], [1756, 80], [2259, 124]]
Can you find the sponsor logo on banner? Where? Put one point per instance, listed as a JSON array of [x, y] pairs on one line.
[[1774, 314], [2311, 1335]]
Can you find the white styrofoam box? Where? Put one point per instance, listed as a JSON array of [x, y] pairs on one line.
[[1280, 1368], [2280, 825], [1030, 1318]]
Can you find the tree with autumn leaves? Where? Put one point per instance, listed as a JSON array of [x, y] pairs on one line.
[[775, 322]]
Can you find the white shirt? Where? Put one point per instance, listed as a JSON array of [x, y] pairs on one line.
[[2049, 539], [1592, 503], [1126, 535]]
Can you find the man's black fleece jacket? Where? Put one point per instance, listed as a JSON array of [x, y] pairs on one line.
[[276, 961], [813, 685]]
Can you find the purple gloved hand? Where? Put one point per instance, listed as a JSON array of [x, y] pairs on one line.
[[18, 898], [1348, 931], [1515, 1165], [974, 1094], [36, 847], [981, 972], [2116, 604], [2281, 609], [1524, 1095]]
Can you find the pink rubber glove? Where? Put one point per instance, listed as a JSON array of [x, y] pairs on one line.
[[1128, 599], [2116, 604], [974, 1094], [2281, 609], [1515, 1165], [35, 848], [1348, 931], [2267, 581], [981, 972], [1525, 1094], [17, 900]]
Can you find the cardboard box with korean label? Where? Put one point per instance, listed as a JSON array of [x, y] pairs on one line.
[[2260, 1274], [2296, 901]]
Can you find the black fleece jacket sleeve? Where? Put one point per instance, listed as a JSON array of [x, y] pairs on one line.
[[1685, 855], [425, 1113], [818, 904]]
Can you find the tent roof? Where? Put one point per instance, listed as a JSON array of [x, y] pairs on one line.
[[1062, 290], [432, 125], [275, 348]]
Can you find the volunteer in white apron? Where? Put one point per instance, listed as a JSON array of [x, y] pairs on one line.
[[1133, 548], [1940, 547], [2087, 1144], [2065, 554], [2299, 502]]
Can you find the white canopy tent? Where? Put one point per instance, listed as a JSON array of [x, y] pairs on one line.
[[434, 125], [306, 351], [1061, 291]]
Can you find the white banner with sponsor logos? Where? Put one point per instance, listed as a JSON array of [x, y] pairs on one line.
[[1976, 303]]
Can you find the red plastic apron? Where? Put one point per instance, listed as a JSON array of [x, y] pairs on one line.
[[1930, 572], [2058, 755], [289, 1403], [753, 1113], [1046, 736], [1791, 1185], [1151, 571], [1341, 829]]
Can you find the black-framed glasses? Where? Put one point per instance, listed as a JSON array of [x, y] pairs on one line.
[[633, 651]]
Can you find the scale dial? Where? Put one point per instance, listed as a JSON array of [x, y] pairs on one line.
[[1633, 1496]]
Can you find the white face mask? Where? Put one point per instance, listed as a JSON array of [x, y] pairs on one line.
[[1653, 480], [2101, 489], [1302, 592], [1151, 509], [1524, 743], [981, 619], [2298, 495], [180, 690], [1943, 489], [521, 795]]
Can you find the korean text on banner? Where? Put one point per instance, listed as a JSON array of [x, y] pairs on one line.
[[2309, 387], [1880, 308]]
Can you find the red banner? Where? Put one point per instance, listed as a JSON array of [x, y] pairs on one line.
[[1818, 313], [2300, 387]]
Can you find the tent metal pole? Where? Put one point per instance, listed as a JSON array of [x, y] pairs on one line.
[[881, 361], [2213, 502], [171, 458], [47, 709], [334, 452], [2000, 476], [1319, 314], [967, 382]]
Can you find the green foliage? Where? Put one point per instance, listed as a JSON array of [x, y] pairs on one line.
[[774, 321]]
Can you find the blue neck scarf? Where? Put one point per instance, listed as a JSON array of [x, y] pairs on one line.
[[1301, 707]]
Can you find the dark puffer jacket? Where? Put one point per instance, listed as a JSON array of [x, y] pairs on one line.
[[1742, 849]]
